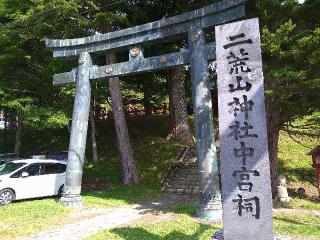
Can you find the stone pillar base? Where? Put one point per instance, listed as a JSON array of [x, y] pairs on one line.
[[219, 236], [71, 201], [210, 212]]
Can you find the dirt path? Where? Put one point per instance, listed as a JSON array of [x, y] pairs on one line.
[[293, 211], [92, 221]]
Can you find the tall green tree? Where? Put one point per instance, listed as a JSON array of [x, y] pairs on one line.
[[108, 16], [26, 67], [291, 57]]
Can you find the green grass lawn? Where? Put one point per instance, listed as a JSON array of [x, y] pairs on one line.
[[25, 218], [185, 228], [293, 224], [294, 163], [28, 217], [300, 225], [298, 203], [119, 196], [152, 152]]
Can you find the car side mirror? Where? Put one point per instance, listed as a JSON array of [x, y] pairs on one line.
[[24, 174]]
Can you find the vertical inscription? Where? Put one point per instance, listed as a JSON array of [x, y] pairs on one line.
[[246, 189]]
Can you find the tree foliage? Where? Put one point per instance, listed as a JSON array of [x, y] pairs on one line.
[[291, 51], [26, 67]]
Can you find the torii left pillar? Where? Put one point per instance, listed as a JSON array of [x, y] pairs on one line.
[[72, 189]]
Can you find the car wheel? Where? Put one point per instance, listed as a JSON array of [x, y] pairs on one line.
[[6, 196], [60, 190]]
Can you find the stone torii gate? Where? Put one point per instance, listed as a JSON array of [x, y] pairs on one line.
[[133, 39]]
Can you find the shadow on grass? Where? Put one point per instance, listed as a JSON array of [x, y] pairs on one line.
[[290, 221], [301, 174], [188, 209], [298, 225], [119, 196], [143, 234], [299, 203], [293, 193]]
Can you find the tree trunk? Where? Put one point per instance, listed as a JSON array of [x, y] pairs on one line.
[[181, 130], [147, 96], [273, 128], [172, 134], [123, 141], [93, 137], [17, 145]]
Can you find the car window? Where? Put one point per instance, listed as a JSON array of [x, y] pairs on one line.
[[63, 168], [33, 170], [10, 167], [51, 168], [18, 174]]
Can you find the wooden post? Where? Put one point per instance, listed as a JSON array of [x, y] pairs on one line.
[[72, 188], [210, 196]]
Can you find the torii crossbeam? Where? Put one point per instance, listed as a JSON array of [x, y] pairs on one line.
[[134, 39]]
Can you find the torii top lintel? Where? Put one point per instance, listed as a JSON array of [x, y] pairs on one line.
[[211, 15]]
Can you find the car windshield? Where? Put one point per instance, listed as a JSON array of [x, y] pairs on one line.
[[10, 167]]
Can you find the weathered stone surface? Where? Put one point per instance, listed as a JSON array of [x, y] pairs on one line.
[[211, 15], [139, 65], [210, 197], [246, 187], [219, 236], [72, 187]]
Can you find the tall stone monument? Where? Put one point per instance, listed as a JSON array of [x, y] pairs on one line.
[[245, 172]]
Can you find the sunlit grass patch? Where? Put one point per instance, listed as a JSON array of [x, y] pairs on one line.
[[188, 209], [295, 165], [28, 217], [294, 162], [292, 224], [298, 203], [297, 224], [185, 228], [120, 196]]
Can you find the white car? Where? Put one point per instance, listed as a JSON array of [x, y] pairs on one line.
[[31, 178]]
